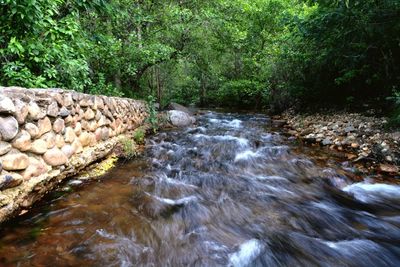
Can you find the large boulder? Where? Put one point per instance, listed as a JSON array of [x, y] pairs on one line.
[[179, 118], [176, 106]]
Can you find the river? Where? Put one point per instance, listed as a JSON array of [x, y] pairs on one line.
[[229, 191]]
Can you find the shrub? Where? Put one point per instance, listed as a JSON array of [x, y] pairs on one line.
[[138, 136]]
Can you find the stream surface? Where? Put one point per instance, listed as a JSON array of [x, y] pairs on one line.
[[227, 192]]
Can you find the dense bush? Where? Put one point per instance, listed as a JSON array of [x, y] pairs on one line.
[[270, 54]]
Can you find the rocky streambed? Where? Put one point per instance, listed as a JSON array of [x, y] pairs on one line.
[[363, 139]]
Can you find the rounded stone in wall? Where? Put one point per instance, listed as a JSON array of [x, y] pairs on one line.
[[39, 146], [15, 161], [8, 128], [22, 141], [55, 157], [6, 105], [58, 125], [4, 148], [32, 129]]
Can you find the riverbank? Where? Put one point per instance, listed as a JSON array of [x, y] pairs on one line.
[[362, 138]]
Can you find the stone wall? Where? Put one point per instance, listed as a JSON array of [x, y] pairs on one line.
[[49, 134]]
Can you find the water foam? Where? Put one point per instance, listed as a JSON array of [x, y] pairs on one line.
[[247, 253], [367, 192]]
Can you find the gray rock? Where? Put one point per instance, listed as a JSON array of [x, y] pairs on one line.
[[35, 113], [179, 118], [176, 106], [32, 129], [23, 111], [8, 128], [4, 148], [64, 112], [6, 105], [327, 142], [349, 129], [52, 109], [22, 141]]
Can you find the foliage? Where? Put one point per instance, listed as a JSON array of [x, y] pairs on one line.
[[152, 114], [270, 54], [138, 136], [128, 147]]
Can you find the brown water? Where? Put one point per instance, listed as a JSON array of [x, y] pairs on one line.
[[229, 192]]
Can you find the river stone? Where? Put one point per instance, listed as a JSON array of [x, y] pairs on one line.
[[105, 133], [69, 135], [39, 146], [102, 121], [4, 148], [68, 120], [58, 125], [98, 103], [6, 105], [68, 150], [92, 125], [55, 157], [22, 141], [50, 139], [68, 101], [77, 146], [23, 111], [44, 126], [10, 180], [98, 133], [327, 142], [35, 168], [52, 109], [180, 118], [86, 101], [85, 138], [32, 129], [15, 161], [89, 114], [60, 141], [78, 128], [64, 112], [388, 168], [98, 115], [34, 111], [8, 128]]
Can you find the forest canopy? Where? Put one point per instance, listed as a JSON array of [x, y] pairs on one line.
[[237, 53]]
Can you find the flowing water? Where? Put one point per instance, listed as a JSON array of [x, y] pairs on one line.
[[228, 192]]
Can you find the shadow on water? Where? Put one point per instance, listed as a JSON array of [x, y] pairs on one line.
[[228, 192]]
